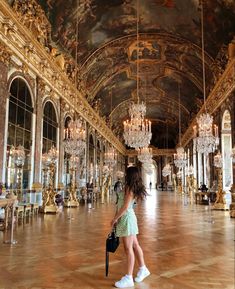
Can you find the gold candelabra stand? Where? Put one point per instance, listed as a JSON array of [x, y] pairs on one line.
[[49, 204], [48, 195], [72, 200], [220, 203], [232, 205], [19, 191]]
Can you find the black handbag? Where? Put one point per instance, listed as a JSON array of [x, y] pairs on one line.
[[112, 243]]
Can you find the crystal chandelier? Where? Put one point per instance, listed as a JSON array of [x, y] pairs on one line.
[[166, 171], [137, 130], [180, 158], [74, 138], [110, 157], [218, 160], [145, 155], [205, 141]]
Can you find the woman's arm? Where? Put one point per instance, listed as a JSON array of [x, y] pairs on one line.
[[128, 198]]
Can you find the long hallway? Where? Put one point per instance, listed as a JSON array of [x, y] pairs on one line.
[[186, 247]]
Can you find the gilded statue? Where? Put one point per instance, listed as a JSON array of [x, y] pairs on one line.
[[220, 202]]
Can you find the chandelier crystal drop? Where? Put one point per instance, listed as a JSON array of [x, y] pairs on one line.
[[180, 158], [145, 155], [137, 130], [218, 160], [74, 140], [166, 171], [206, 142], [110, 157]]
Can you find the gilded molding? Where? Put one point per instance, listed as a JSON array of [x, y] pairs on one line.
[[155, 151], [5, 54], [31, 51], [221, 91]]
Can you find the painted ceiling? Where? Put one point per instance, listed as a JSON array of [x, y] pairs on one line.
[[169, 55]]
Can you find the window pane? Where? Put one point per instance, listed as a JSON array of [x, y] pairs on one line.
[[20, 116], [19, 136], [12, 112], [28, 117], [27, 140], [11, 135]]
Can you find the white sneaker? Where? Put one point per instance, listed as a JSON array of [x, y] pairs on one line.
[[141, 275], [125, 282]]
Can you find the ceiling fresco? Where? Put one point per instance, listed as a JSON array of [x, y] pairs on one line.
[[169, 54]]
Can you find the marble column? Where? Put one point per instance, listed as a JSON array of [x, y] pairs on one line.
[[61, 138], [3, 100]]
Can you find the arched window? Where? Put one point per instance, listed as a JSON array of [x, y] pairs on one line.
[[19, 133], [226, 139], [49, 127]]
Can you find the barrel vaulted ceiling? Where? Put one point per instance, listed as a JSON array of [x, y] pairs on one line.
[[169, 55]]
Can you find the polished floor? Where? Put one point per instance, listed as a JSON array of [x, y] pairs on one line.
[[186, 247]]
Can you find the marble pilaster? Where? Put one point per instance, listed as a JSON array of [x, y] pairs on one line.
[[3, 98], [38, 131]]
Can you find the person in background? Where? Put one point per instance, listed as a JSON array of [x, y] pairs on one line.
[[118, 187], [126, 227], [150, 185]]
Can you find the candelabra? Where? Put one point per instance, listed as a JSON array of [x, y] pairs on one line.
[[72, 200], [18, 155], [49, 164], [74, 145], [220, 203]]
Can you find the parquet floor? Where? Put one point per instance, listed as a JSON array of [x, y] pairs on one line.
[[183, 248]]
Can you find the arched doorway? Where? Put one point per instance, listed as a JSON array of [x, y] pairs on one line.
[[50, 128], [149, 175], [20, 115], [226, 142]]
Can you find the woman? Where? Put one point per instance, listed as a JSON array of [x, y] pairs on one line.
[[126, 227]]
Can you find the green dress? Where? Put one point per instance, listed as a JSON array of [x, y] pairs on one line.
[[127, 224]]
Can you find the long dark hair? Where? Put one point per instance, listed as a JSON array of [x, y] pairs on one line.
[[134, 183]]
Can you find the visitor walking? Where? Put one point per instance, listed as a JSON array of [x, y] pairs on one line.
[[118, 187], [127, 228]]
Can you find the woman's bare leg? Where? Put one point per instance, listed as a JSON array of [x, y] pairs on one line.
[[128, 246], [138, 252]]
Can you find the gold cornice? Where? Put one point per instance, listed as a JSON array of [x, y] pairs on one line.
[[221, 91], [155, 152], [17, 37]]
